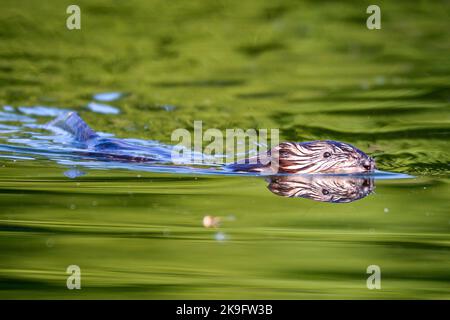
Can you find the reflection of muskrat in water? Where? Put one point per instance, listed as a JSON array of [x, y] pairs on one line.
[[336, 189], [325, 156]]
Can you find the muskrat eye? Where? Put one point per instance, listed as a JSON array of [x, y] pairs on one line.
[[326, 155], [325, 192]]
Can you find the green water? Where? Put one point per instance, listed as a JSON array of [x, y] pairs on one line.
[[311, 69]]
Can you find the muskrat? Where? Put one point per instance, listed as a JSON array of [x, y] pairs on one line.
[[321, 156], [312, 157]]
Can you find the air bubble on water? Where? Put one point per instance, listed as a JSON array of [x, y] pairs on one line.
[[386, 210], [220, 236], [73, 207]]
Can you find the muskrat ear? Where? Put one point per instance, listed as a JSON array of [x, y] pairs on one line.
[[284, 150], [285, 145]]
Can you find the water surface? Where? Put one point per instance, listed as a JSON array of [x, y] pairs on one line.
[[140, 69]]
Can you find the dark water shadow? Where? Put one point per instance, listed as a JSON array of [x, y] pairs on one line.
[[436, 132]]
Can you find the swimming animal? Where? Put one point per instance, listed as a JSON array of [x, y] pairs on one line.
[[324, 188], [323, 156]]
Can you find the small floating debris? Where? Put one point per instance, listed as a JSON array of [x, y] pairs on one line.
[[8, 108], [42, 111], [102, 108], [211, 222], [74, 173], [386, 210], [107, 96]]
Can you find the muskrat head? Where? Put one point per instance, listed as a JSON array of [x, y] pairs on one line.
[[321, 157]]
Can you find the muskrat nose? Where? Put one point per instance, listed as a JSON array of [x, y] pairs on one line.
[[368, 164]]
